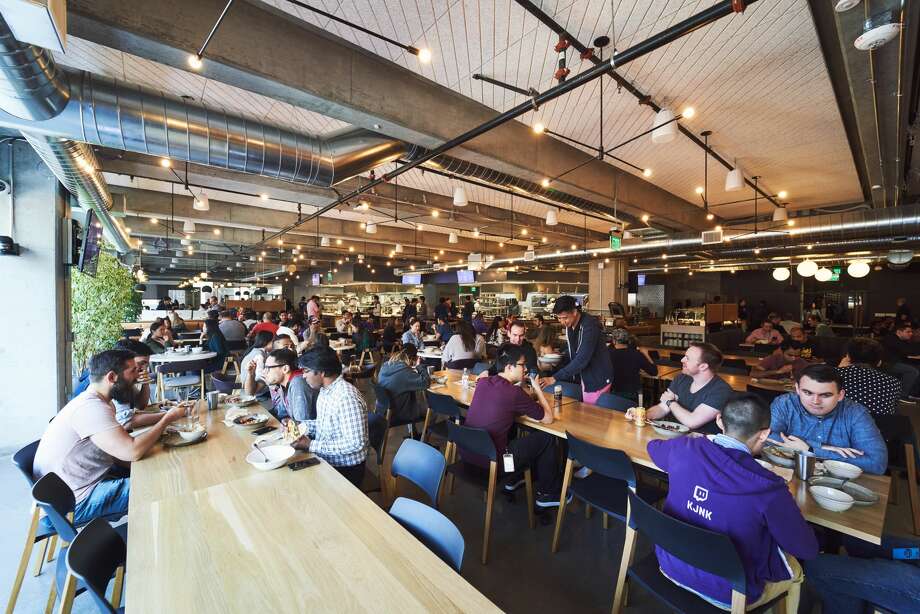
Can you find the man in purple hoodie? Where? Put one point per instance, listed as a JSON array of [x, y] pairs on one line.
[[716, 484]]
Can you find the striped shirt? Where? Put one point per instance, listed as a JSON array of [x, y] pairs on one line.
[[339, 432]]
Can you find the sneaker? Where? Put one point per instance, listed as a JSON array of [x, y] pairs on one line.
[[515, 481], [582, 473], [546, 500]]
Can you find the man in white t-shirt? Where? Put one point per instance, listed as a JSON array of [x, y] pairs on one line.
[[83, 442]]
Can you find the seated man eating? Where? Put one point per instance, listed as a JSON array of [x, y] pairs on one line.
[[716, 484], [819, 418], [697, 394], [84, 440]]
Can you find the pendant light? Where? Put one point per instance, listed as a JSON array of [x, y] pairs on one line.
[[807, 268], [823, 274], [201, 202], [399, 248], [734, 181], [452, 238], [858, 268], [552, 218], [371, 229], [460, 199], [188, 226], [324, 242], [781, 274], [666, 128], [780, 214]]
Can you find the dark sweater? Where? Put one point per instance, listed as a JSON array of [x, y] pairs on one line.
[[627, 363]]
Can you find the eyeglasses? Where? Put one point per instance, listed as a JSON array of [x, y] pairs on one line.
[[272, 366]]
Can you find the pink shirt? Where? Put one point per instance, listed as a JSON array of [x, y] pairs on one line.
[[313, 310], [760, 334]]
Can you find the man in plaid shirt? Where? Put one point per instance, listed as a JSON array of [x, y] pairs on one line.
[[338, 435]]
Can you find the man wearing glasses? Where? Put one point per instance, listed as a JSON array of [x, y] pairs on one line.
[[496, 404], [290, 398]]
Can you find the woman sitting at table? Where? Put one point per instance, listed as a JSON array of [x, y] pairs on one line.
[[496, 335], [413, 335], [389, 337], [402, 376], [176, 322], [628, 363], [543, 342], [213, 341], [465, 345]]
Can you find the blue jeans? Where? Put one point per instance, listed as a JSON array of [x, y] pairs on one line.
[[108, 498], [849, 584]]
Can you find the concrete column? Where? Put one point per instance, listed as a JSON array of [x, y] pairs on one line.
[[35, 342], [607, 284]]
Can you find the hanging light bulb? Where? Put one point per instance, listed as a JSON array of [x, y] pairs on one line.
[[539, 128], [399, 248], [664, 133], [823, 274], [858, 268], [188, 226], [371, 229], [201, 202], [734, 181], [807, 268], [476, 232], [452, 238], [324, 242], [460, 199], [552, 217], [194, 61], [781, 274]]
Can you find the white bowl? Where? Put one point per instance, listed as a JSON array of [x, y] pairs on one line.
[[192, 435], [831, 498], [197, 350], [277, 456], [840, 469], [668, 429]]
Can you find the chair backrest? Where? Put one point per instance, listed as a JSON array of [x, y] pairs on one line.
[[181, 366], [735, 365], [24, 459], [432, 528], [54, 496], [382, 395], [236, 345], [477, 441], [223, 383], [675, 357], [479, 367], [613, 401], [568, 389], [442, 404], [706, 550], [654, 355], [422, 465], [463, 363], [605, 461], [376, 433], [94, 555], [766, 394], [762, 349]]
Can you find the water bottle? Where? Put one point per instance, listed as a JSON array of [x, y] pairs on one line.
[[557, 401], [466, 380], [641, 404]]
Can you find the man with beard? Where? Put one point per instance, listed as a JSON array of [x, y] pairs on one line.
[[84, 440], [139, 395]]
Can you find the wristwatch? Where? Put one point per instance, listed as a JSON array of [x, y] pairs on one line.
[[667, 403]]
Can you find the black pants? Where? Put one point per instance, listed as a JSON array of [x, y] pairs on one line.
[[537, 450], [354, 474]]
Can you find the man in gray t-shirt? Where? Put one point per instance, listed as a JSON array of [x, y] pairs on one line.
[[232, 329], [697, 394]]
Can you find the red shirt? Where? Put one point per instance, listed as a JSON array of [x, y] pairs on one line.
[[269, 326], [495, 406]]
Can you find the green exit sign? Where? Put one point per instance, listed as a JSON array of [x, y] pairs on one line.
[[835, 273], [615, 242]]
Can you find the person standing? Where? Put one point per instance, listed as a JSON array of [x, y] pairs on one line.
[[902, 313], [589, 360], [442, 310], [468, 309], [314, 310], [421, 309]]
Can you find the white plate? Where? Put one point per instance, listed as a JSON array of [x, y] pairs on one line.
[[840, 469], [192, 435], [277, 456], [259, 421], [670, 434]]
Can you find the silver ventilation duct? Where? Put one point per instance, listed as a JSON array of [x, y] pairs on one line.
[[111, 113], [33, 88]]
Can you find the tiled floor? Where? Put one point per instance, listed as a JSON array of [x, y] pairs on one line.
[[522, 574]]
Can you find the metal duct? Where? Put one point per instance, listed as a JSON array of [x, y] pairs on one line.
[[111, 113]]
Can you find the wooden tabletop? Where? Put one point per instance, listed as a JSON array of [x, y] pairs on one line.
[[213, 534], [748, 359], [739, 383], [464, 396]]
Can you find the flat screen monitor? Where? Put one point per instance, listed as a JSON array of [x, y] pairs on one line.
[[317, 279], [89, 252], [413, 279], [641, 277], [466, 277]]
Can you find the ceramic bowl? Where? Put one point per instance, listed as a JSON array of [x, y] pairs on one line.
[[192, 434], [831, 498], [276, 455], [840, 469]]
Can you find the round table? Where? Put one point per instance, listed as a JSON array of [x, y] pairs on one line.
[[426, 353], [180, 356], [342, 347]]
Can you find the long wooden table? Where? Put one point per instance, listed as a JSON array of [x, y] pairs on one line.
[[610, 429], [739, 383], [209, 533]]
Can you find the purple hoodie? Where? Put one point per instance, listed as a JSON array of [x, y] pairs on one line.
[[726, 491]]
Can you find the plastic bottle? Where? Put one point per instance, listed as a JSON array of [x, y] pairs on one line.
[[466, 379], [557, 401]]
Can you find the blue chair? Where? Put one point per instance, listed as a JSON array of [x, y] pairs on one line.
[[384, 406], [479, 367], [223, 383], [478, 441], [432, 528], [612, 476], [40, 530], [422, 465], [96, 554], [615, 402], [439, 405], [569, 389], [708, 551]]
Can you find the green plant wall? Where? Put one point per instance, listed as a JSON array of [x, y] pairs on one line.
[[99, 305]]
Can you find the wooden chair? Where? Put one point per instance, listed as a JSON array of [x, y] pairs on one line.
[[708, 551], [376, 438], [900, 434], [185, 378], [478, 441], [439, 405], [97, 553]]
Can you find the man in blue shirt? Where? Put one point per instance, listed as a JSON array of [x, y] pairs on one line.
[[443, 329], [818, 417]]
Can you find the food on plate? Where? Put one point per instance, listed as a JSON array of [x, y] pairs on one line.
[[782, 452], [291, 431], [248, 419]]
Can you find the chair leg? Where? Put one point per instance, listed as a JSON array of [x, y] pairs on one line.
[[739, 602], [528, 486], [911, 463], [52, 547], [606, 520], [425, 425], [52, 598], [24, 560], [40, 559], [587, 511], [490, 499], [117, 586], [201, 395], [560, 513], [894, 494], [67, 594], [629, 549], [453, 457]]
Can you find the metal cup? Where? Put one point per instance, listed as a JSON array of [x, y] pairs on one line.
[[804, 465], [213, 400]]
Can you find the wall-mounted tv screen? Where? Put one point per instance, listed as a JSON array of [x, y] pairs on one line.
[[413, 279], [89, 250], [466, 277], [641, 277], [317, 279]]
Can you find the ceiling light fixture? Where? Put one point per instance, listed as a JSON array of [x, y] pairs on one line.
[[782, 194], [807, 268], [552, 218], [781, 274], [154, 220], [647, 172], [858, 268], [371, 229], [435, 213], [780, 214], [165, 162], [539, 128], [452, 238], [324, 242], [424, 55], [734, 180], [194, 61], [188, 226], [688, 113], [263, 196], [460, 199], [476, 232], [823, 274], [544, 182], [200, 203], [665, 127]]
